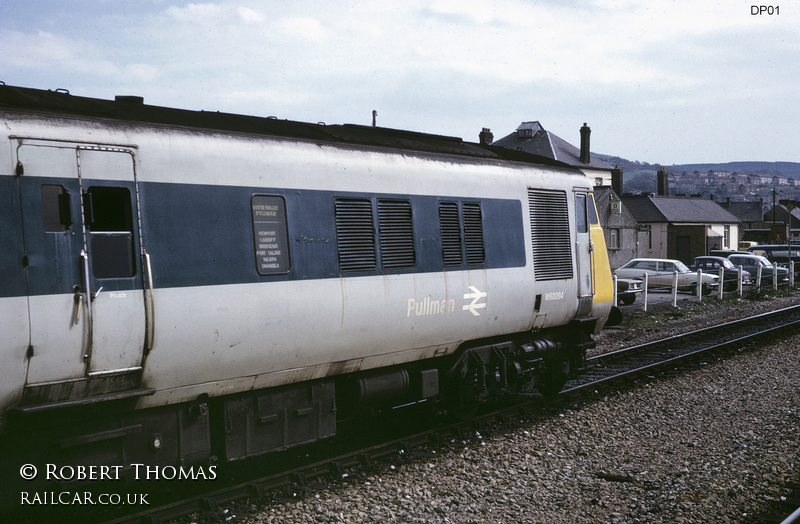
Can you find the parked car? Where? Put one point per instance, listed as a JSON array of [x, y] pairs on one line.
[[659, 273], [628, 289], [730, 276], [780, 254], [751, 262]]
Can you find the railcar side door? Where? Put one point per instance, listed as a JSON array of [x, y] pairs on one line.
[[584, 253], [84, 270], [112, 264]]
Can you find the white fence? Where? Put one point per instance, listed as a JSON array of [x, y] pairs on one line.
[[756, 282]]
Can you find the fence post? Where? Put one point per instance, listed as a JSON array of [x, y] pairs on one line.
[[775, 276], [614, 278], [644, 295], [739, 285], [791, 274], [699, 289], [721, 282], [674, 287], [758, 278]]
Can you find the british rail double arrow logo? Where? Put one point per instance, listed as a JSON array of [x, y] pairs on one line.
[[476, 295]]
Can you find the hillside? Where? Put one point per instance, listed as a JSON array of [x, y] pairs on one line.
[[641, 176], [787, 169]]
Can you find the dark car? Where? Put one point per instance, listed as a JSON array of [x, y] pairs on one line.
[[751, 262], [780, 254], [730, 276]]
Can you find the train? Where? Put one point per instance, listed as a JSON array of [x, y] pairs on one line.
[[185, 287]]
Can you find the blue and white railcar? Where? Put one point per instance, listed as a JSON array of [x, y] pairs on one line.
[[178, 285]]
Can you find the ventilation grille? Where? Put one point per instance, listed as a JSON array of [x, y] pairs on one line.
[[396, 234], [355, 232], [451, 233], [473, 233], [552, 257]]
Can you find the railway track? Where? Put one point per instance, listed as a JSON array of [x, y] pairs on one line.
[[608, 370]]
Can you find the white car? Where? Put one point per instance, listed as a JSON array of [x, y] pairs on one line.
[[660, 271]]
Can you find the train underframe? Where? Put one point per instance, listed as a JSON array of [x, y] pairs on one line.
[[236, 427]]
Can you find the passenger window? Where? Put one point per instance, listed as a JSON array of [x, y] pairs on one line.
[[56, 214], [109, 222]]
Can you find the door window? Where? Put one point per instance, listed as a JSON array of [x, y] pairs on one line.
[[110, 224]]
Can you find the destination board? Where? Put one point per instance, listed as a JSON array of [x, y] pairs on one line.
[[270, 235]]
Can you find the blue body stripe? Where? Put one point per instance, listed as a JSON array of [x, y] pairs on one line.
[[12, 272], [199, 235]]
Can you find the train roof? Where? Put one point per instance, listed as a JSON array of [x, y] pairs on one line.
[[132, 109]]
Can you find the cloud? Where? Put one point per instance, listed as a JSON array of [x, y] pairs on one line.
[[447, 66]]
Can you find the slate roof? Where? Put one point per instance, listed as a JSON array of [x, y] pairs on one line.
[[677, 210], [544, 143], [746, 211]]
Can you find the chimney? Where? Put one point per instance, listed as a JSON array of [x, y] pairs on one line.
[[486, 137], [585, 132], [616, 180], [663, 182]]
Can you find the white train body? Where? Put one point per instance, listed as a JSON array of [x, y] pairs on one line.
[[153, 263]]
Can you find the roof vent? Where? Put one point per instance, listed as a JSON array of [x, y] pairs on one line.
[[128, 99]]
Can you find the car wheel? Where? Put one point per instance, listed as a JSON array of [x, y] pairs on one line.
[[627, 299]]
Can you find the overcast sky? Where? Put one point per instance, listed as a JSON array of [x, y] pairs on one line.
[[656, 80]]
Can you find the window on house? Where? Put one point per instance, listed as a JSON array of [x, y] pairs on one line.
[[613, 239], [726, 239]]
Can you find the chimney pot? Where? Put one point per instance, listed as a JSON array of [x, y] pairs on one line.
[[663, 182], [586, 157], [616, 180], [486, 137]]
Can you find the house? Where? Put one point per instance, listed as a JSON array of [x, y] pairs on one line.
[[621, 230], [751, 214], [681, 227], [531, 137], [785, 216]]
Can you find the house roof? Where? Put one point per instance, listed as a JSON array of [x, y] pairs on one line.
[[651, 208], [746, 211], [532, 138]]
